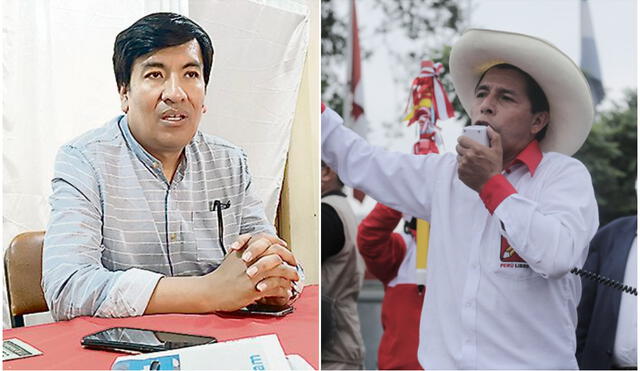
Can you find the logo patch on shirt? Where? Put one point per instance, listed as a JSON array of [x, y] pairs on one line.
[[509, 257]]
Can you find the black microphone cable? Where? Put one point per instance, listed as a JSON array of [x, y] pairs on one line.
[[605, 281]]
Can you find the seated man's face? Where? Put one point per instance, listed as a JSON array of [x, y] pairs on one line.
[[501, 101], [165, 98]]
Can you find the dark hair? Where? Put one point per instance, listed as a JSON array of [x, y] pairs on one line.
[[323, 165], [153, 32], [538, 99]]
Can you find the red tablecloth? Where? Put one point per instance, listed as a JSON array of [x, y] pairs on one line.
[[60, 341]]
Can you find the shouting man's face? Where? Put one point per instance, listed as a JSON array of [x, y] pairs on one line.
[[501, 101]]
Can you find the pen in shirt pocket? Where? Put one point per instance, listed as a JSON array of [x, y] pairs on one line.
[[218, 206]]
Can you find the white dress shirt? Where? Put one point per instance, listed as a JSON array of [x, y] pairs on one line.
[[481, 312], [625, 344]]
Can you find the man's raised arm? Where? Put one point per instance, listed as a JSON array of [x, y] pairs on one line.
[[401, 181]]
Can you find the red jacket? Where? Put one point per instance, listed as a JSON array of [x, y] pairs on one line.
[[384, 252]]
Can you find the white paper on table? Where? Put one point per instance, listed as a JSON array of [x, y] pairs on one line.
[[256, 353], [296, 362], [15, 348]]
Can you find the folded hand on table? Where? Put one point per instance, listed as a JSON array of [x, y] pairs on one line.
[[267, 253], [259, 268], [231, 288]]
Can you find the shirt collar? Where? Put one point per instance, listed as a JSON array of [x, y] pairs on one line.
[[153, 164], [530, 156], [141, 153]]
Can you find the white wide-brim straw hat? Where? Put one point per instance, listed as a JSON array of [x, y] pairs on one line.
[[570, 105]]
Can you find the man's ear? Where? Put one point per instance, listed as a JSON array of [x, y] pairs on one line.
[[540, 120], [124, 99], [325, 173]]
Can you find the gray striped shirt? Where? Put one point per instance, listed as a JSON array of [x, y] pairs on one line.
[[117, 225]]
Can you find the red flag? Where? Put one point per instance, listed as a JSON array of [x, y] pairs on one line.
[[354, 104], [355, 83]]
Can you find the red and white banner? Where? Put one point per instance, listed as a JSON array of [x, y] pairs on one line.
[[428, 103], [354, 103], [353, 114]]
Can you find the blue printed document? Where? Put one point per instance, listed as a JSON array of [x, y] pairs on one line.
[[256, 353]]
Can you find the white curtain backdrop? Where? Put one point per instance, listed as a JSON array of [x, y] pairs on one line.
[[260, 49], [59, 83]]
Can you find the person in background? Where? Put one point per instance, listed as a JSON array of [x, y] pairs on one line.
[[391, 258], [342, 275], [607, 318], [326, 320]]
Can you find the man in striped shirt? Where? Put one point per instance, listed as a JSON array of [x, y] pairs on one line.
[[144, 208]]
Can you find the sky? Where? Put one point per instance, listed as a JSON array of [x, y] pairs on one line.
[[557, 21]]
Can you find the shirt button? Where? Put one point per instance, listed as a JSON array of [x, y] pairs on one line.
[[173, 236], [469, 304], [155, 165]]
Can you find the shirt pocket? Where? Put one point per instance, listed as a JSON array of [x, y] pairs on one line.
[[515, 271], [207, 236], [510, 265], [205, 232]]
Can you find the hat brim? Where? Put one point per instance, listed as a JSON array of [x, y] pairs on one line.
[[571, 109]]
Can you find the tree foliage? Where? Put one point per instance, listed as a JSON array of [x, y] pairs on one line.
[[428, 24], [333, 31], [610, 154], [419, 18]]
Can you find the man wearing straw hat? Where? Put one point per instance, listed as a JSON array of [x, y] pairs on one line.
[[508, 220]]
